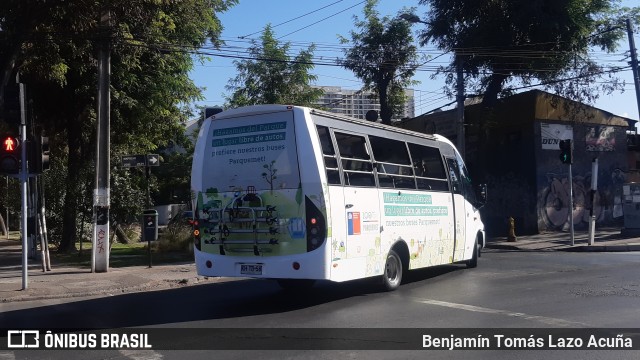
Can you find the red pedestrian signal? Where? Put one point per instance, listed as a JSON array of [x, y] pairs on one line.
[[10, 144], [9, 155]]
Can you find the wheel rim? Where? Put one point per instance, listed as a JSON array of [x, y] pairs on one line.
[[392, 270]]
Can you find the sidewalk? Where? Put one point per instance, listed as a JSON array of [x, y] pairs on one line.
[[605, 240], [69, 282]]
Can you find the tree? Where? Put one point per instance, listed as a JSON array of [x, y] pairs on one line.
[[383, 56], [52, 43], [272, 77], [533, 41]]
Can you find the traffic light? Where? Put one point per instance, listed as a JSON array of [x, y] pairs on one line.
[[9, 155], [566, 151], [44, 154], [39, 155]]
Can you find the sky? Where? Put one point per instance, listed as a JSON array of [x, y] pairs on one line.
[[322, 21]]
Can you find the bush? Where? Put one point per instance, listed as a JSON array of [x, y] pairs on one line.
[[176, 237]]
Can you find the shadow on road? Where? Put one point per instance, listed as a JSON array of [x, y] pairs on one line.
[[224, 300]]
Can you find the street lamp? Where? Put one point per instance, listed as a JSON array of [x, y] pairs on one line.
[[413, 18]]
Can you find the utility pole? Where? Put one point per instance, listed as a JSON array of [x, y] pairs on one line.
[[460, 105], [634, 62], [101, 201]]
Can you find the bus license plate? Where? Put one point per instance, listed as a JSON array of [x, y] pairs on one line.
[[251, 269]]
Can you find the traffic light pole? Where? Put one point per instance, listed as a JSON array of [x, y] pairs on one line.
[[23, 187], [571, 205]]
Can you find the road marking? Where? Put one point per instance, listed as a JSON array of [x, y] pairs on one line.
[[542, 319], [141, 354], [7, 356]]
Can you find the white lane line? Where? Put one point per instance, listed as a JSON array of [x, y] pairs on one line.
[[542, 319], [7, 355], [141, 354]]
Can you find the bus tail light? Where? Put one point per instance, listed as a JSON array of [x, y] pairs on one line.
[[196, 234], [316, 225]]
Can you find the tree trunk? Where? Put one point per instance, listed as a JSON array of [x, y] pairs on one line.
[[72, 194], [493, 89], [121, 235], [385, 111], [5, 231]]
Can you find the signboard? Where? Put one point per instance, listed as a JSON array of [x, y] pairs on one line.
[[153, 160], [551, 134], [133, 160], [601, 138], [129, 161]]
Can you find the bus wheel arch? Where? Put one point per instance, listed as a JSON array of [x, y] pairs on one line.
[[477, 252], [396, 264]]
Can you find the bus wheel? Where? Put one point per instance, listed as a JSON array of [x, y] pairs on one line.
[[392, 271], [473, 262], [294, 284]]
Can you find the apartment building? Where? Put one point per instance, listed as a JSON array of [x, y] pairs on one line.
[[356, 103]]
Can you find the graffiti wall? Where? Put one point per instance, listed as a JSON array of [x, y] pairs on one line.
[[608, 145]]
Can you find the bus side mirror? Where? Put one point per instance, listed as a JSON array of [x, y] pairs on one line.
[[481, 194]]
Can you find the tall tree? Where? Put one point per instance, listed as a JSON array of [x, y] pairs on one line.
[[271, 76], [531, 41], [383, 56], [52, 44]]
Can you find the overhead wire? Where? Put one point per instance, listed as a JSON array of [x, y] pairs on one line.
[[295, 18]]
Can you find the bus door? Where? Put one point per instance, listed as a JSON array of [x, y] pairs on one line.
[[361, 208], [459, 211]]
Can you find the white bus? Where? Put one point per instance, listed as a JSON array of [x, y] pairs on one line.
[[298, 195]]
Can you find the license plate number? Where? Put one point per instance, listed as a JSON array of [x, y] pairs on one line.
[[251, 269]]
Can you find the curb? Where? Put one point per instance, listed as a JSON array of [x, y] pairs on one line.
[[576, 248], [605, 248]]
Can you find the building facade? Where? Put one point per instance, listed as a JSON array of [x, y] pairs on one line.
[[356, 103], [514, 148]]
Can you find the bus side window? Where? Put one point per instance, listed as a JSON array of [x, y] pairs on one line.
[[454, 172], [392, 163], [429, 168], [329, 155], [356, 162]]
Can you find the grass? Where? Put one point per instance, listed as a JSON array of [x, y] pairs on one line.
[[122, 255], [167, 249]]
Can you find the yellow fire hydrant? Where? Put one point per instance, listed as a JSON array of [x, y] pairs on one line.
[[512, 230]]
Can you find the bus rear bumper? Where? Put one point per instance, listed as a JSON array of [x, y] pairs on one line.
[[309, 265]]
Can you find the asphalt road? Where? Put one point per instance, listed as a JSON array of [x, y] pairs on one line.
[[533, 290]]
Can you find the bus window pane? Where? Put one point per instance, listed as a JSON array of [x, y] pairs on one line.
[[454, 172], [427, 161], [389, 151], [330, 161], [432, 184], [352, 146], [325, 141], [333, 177], [359, 179]]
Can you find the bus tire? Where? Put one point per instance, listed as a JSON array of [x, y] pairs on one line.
[[473, 262], [295, 284], [392, 276]]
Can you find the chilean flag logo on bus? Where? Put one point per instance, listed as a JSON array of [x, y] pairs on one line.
[[353, 223]]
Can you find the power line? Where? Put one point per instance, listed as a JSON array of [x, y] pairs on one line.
[[321, 20], [296, 18]]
